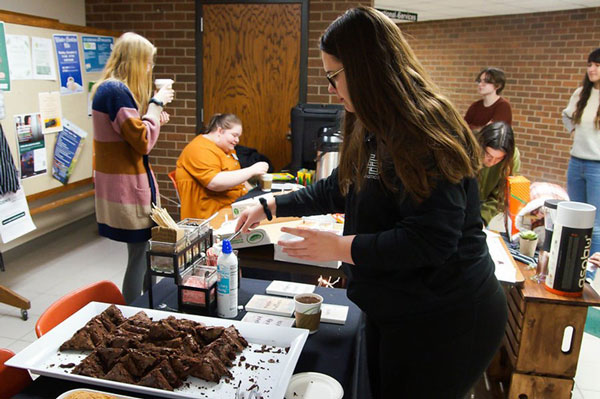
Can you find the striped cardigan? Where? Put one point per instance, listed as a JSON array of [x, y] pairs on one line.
[[125, 184]]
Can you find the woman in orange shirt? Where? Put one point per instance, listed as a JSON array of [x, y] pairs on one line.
[[208, 173]]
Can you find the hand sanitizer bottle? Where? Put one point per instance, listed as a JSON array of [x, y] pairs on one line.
[[227, 285]]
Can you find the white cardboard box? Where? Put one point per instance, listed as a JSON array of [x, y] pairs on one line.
[[239, 206], [283, 257]]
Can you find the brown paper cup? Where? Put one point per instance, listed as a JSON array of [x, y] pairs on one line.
[[309, 321]]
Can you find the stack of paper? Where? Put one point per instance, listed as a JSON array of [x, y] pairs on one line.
[[271, 305], [270, 320], [335, 314], [287, 288]]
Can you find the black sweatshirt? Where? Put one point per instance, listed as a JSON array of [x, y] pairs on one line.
[[409, 259]]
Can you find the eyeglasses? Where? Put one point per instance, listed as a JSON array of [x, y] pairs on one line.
[[483, 80], [331, 75]]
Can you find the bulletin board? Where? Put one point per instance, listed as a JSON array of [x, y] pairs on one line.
[[23, 98]]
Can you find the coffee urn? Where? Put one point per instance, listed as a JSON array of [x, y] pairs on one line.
[[328, 151]]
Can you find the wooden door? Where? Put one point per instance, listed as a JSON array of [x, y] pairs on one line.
[[251, 67]]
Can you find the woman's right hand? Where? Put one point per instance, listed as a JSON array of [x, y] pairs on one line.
[[259, 168], [251, 217], [165, 94]]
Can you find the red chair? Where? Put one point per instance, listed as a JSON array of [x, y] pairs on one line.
[[12, 380], [102, 291], [171, 175]]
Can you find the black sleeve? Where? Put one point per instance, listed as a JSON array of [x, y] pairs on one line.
[[317, 199], [428, 235]]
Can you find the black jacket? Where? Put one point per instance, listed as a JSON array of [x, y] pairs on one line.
[[409, 258]]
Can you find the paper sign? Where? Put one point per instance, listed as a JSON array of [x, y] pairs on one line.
[[19, 56], [43, 59], [96, 50], [69, 143], [15, 219], [50, 111], [69, 65], [4, 71], [30, 144]]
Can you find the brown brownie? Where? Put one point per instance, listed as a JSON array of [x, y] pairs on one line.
[[155, 379]]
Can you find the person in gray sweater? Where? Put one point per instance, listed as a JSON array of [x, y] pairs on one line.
[[582, 119]]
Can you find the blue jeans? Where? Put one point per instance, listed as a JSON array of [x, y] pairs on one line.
[[583, 185]]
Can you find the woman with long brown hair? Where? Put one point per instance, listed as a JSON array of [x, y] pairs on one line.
[[501, 159], [582, 118], [413, 246]]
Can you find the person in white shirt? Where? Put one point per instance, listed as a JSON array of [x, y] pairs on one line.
[[582, 117]]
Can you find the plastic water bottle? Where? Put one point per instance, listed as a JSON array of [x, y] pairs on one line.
[[227, 285]]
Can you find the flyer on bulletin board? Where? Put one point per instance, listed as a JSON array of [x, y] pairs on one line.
[[69, 65], [4, 71], [19, 57], [31, 144], [69, 143], [96, 50], [15, 219], [51, 112], [43, 59]]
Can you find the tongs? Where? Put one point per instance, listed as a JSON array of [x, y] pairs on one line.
[[237, 233]]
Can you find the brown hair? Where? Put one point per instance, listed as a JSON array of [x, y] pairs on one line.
[[586, 91], [500, 136], [494, 76], [420, 136], [223, 121], [128, 63]]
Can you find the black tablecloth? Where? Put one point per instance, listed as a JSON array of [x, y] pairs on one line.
[[334, 350]]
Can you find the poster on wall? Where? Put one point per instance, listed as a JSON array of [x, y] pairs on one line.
[[15, 219], [50, 111], [69, 143], [96, 50], [4, 71], [69, 65], [43, 59], [30, 144], [19, 57]]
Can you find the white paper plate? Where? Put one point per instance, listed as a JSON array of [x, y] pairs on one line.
[[313, 386], [112, 395]]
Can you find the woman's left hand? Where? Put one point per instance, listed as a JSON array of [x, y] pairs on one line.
[[320, 246], [164, 118]]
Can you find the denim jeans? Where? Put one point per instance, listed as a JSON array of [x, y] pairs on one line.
[[583, 185]]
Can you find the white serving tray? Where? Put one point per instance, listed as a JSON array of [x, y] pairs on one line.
[[272, 372]]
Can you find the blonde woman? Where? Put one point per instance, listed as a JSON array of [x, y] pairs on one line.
[[127, 121]]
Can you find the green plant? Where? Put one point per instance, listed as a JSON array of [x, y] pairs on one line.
[[528, 235]]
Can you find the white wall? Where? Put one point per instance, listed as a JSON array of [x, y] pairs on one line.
[[66, 11]]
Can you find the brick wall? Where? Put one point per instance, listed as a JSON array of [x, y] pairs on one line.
[[322, 13], [544, 56]]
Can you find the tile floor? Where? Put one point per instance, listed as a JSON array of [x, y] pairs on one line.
[[48, 268]]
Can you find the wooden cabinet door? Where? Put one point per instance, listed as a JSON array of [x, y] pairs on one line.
[[251, 67]]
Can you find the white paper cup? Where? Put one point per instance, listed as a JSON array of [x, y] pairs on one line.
[[308, 311], [160, 83], [303, 305], [266, 182]]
